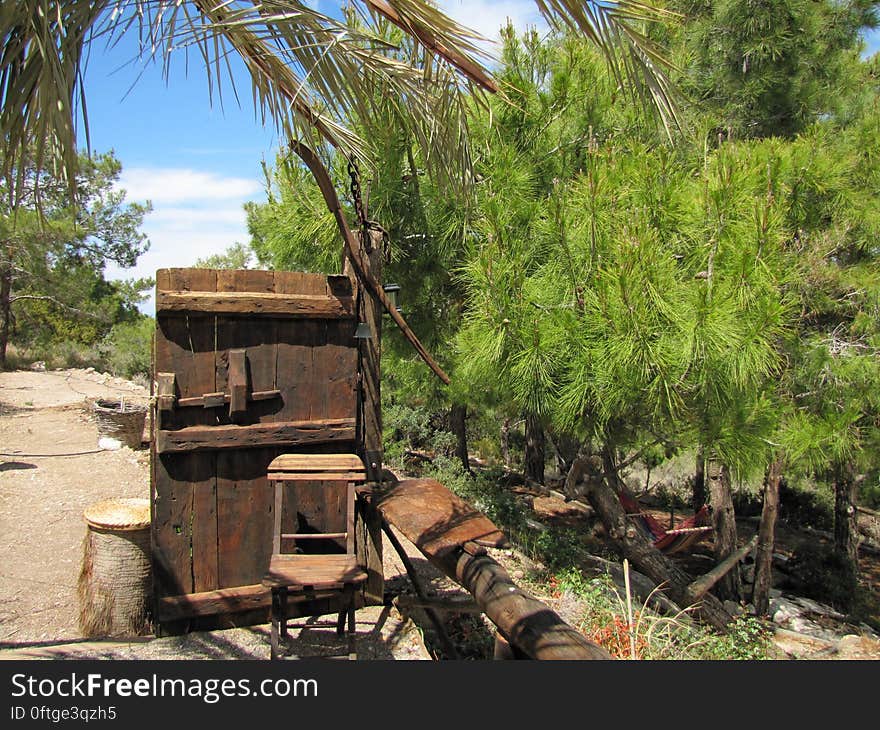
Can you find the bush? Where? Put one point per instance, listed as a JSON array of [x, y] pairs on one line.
[[127, 349], [825, 575]]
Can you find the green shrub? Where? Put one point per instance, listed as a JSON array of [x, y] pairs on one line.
[[825, 575], [126, 349]]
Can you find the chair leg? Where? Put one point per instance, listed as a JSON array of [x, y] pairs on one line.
[[283, 608], [276, 620], [340, 621], [352, 630]]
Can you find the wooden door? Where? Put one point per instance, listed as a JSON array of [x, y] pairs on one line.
[[249, 365]]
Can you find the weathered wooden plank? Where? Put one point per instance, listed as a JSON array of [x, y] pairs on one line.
[[225, 600], [254, 303], [246, 280], [238, 382], [186, 280], [368, 545], [202, 477], [317, 462], [170, 530], [339, 360], [215, 400], [244, 510], [166, 391], [298, 282], [330, 476], [434, 519], [296, 340], [319, 374], [185, 347], [287, 433]]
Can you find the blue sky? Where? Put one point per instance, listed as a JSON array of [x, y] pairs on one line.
[[198, 162]]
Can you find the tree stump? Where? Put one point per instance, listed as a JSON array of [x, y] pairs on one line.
[[115, 580]]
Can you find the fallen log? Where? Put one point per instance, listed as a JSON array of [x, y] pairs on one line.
[[650, 561], [454, 536], [704, 583]]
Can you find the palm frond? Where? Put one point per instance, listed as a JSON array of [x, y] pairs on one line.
[[617, 29]]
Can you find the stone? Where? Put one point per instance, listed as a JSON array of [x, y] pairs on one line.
[[733, 608], [811, 628], [39, 366], [109, 444], [782, 610], [820, 609]]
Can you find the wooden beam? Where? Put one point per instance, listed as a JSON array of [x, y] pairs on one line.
[[166, 392], [322, 178], [448, 646], [285, 433], [444, 530], [702, 585], [238, 384], [224, 600], [255, 303]]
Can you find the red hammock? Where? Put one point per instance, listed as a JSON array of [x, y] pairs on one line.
[[687, 534]]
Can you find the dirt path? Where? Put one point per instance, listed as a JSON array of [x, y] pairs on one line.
[[42, 497]]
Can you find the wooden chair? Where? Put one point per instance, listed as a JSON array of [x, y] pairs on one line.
[[314, 574]]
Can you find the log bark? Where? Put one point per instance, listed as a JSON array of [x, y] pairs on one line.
[[534, 456], [5, 305], [528, 624], [699, 495], [505, 442], [766, 539], [647, 559], [448, 531], [724, 529], [845, 527], [458, 425]]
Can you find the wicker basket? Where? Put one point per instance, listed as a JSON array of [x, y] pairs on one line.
[[121, 420]]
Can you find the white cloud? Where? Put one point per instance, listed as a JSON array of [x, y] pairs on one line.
[[177, 185], [195, 214], [488, 16]]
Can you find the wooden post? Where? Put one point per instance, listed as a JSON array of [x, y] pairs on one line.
[[369, 531], [371, 371]]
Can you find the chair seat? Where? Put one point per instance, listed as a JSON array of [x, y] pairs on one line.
[[319, 572]]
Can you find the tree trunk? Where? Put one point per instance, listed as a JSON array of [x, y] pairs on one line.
[[458, 425], [724, 529], [845, 527], [699, 494], [766, 539], [647, 559], [505, 442], [534, 456], [5, 310]]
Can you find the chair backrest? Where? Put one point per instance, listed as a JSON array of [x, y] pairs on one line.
[[331, 470]]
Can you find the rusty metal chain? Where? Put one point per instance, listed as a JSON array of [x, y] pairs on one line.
[[365, 224], [355, 174]]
